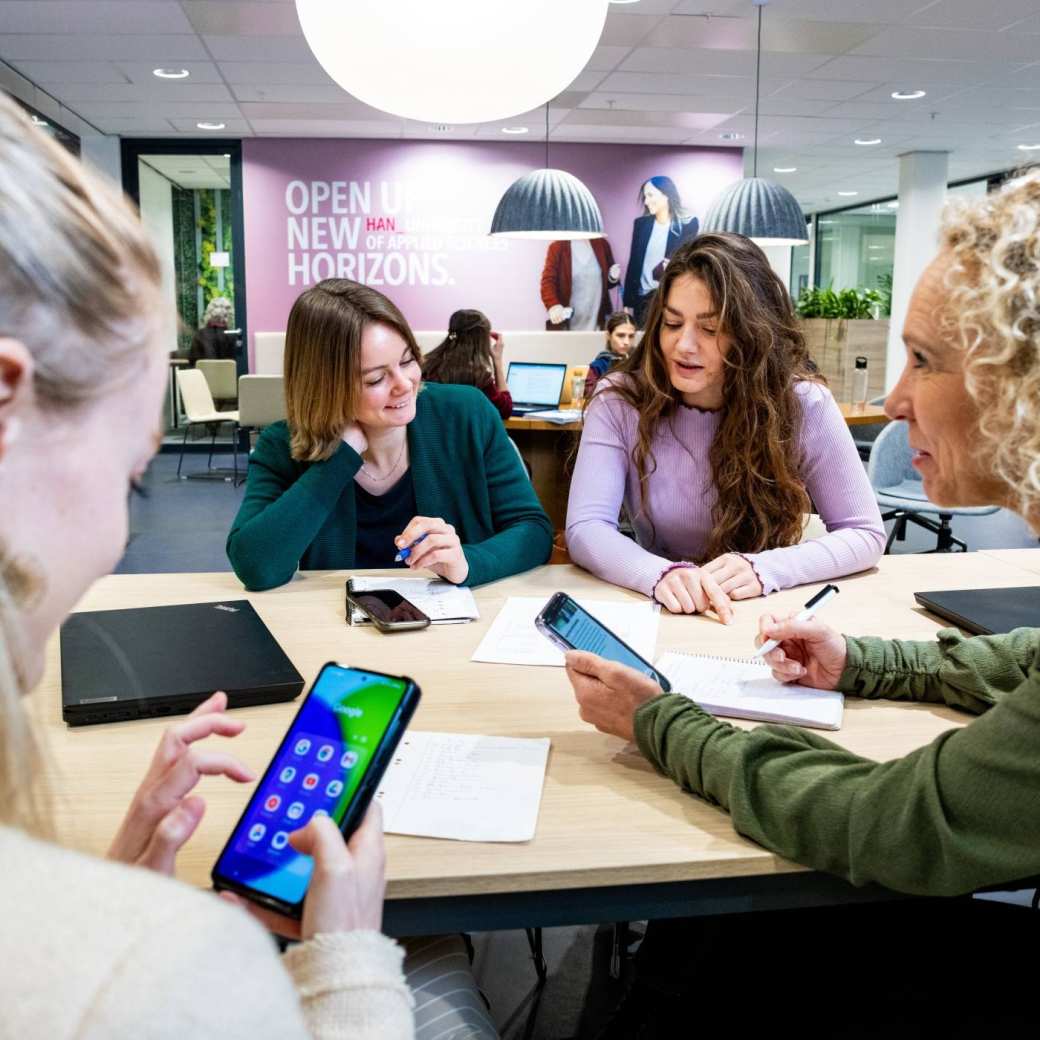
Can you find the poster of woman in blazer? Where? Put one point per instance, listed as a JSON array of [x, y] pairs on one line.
[[662, 228]]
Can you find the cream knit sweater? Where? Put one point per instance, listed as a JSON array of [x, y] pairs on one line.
[[92, 949]]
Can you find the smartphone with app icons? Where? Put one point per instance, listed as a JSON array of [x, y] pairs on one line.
[[330, 761]]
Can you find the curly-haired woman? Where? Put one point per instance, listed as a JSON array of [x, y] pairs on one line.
[[715, 435], [471, 355], [959, 814]]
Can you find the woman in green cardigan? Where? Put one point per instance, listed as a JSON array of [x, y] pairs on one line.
[[963, 812], [371, 461]]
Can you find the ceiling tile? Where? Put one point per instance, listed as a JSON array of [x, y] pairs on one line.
[[664, 102], [325, 128], [295, 93], [626, 30], [619, 118], [349, 108], [606, 58], [815, 10], [54, 73], [272, 74], [778, 34], [231, 18], [705, 61], [970, 14], [93, 17], [275, 49], [77, 94], [86, 47], [909, 42], [909, 73], [654, 83], [823, 89]]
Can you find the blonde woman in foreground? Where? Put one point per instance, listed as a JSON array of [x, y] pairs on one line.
[[108, 949]]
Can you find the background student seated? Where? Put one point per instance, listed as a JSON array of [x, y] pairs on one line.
[[371, 460], [962, 812], [621, 338], [713, 435], [471, 355]]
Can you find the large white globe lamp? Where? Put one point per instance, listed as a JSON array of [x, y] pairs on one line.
[[453, 61]]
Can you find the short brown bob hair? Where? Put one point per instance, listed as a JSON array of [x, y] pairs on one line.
[[323, 360]]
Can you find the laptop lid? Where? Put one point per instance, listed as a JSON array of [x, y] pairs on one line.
[[535, 383], [985, 611], [122, 664]]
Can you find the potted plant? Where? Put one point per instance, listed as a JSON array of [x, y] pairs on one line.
[[839, 326]]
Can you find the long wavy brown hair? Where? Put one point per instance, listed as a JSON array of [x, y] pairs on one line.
[[464, 356], [755, 456]]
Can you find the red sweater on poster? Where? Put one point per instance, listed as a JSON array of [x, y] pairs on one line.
[[556, 284]]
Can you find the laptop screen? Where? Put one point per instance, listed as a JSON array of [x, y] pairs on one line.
[[532, 383]]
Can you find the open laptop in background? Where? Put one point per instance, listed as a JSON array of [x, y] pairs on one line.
[[139, 663], [985, 611], [535, 386]]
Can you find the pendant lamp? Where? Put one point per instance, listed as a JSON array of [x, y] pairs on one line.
[[453, 61], [547, 204], [761, 210]]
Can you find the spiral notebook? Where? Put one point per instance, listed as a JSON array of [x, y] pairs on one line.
[[744, 688]]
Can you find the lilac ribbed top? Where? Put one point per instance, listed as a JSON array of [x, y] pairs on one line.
[[681, 497]]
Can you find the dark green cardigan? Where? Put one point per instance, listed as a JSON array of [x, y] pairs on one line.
[[302, 514], [961, 813]]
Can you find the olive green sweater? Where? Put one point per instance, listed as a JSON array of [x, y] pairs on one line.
[[959, 814], [465, 470]]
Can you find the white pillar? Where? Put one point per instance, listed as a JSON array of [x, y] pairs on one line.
[[102, 152], [922, 192]]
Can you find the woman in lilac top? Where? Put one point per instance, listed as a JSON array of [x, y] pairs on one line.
[[715, 436]]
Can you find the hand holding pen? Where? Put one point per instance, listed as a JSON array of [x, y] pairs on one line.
[[803, 650], [430, 542]]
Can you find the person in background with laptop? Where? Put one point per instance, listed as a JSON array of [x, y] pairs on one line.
[[372, 461], [621, 338], [961, 813], [471, 355], [115, 949], [714, 435]]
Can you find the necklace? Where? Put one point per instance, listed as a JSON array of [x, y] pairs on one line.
[[391, 471]]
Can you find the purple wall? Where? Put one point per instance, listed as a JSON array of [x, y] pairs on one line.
[[411, 218]]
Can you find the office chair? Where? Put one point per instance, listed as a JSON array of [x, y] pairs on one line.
[[199, 409], [899, 490]]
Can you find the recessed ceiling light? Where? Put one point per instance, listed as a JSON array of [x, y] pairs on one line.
[[730, 135], [848, 194], [785, 169], [211, 126], [171, 73], [37, 121], [907, 95], [1028, 147], [867, 140], [893, 204], [514, 129]]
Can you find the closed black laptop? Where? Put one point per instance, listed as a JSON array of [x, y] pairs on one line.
[[131, 664], [985, 611]]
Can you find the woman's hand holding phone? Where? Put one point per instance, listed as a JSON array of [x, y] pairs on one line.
[[347, 886], [164, 814]]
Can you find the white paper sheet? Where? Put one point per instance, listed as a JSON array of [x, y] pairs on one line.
[[442, 602], [562, 416], [513, 639], [464, 786]]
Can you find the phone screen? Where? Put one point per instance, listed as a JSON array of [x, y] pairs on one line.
[[388, 606], [318, 768], [582, 631]]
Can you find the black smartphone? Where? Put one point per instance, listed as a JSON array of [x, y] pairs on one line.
[[571, 627], [389, 610], [330, 761]]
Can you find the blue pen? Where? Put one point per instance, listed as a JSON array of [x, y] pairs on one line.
[[407, 550]]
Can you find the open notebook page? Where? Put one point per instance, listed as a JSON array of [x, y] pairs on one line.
[[745, 689], [442, 602]]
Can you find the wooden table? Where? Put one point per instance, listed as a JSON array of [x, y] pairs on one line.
[[615, 841], [547, 448]]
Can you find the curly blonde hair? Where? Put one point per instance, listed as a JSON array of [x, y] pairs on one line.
[[992, 312]]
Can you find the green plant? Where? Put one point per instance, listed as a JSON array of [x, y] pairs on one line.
[[884, 290], [815, 302]]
